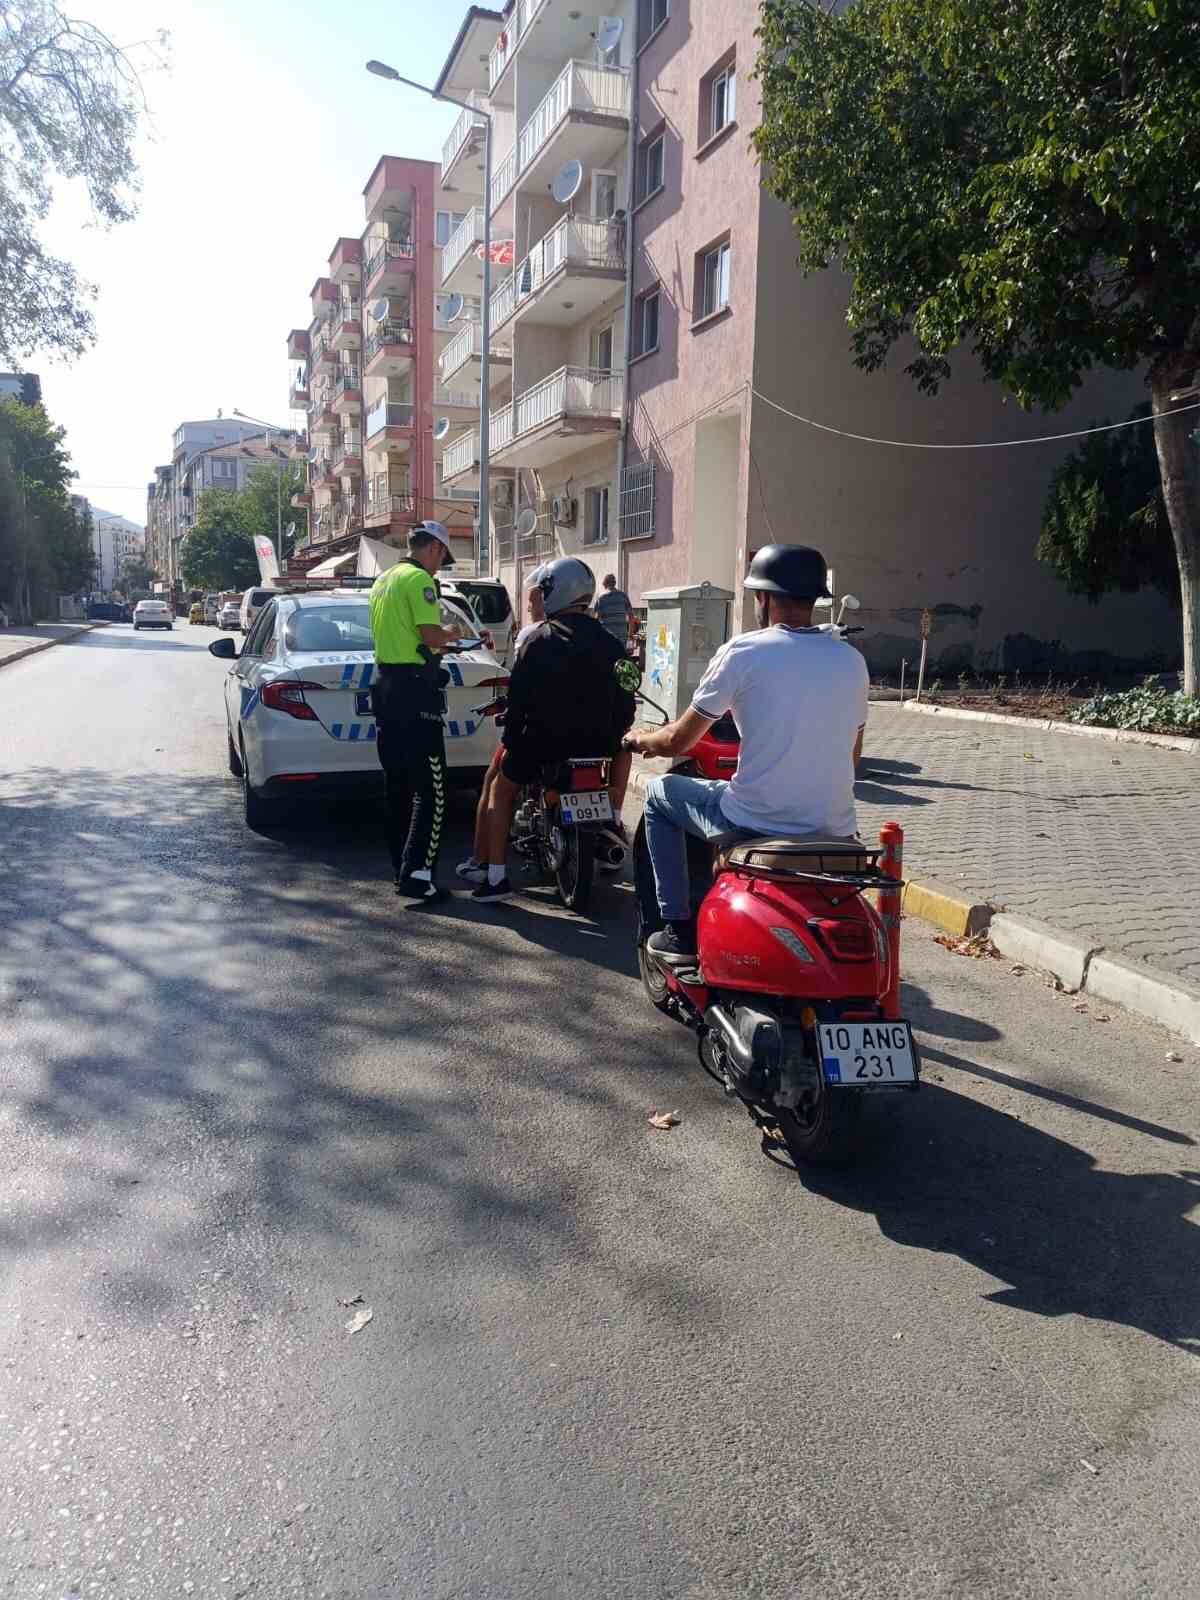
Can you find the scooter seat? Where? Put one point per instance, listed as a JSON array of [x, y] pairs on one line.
[[810, 854]]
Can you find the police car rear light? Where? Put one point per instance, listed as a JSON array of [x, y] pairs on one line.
[[288, 696]]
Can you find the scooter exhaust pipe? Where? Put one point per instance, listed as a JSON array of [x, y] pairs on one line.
[[753, 1042]]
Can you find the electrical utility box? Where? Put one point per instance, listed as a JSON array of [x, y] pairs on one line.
[[685, 628]]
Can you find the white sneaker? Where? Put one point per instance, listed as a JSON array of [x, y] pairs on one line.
[[473, 871]]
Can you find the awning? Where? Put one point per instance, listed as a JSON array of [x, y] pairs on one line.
[[374, 557], [334, 565]]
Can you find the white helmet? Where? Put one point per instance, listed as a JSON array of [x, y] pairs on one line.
[[565, 583]]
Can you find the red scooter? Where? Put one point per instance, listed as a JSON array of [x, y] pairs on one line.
[[792, 992]]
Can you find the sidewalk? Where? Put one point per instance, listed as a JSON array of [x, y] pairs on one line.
[[1098, 841], [33, 636]]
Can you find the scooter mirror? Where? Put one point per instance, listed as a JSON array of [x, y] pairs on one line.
[[850, 602]]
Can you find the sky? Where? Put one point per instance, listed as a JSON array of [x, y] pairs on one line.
[[261, 137]]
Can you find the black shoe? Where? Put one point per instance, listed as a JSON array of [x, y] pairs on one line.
[[676, 939], [423, 889], [493, 891]]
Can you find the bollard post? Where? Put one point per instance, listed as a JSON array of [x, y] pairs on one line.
[[891, 863]]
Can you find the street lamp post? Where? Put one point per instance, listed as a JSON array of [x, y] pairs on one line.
[[483, 520]]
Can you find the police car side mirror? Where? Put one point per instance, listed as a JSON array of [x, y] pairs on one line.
[[223, 649]]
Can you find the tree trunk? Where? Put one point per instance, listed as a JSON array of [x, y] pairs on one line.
[[1179, 467]]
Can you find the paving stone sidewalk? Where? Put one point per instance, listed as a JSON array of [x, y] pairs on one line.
[[1096, 838], [28, 637]]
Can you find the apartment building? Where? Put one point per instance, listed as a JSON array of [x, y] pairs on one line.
[[366, 375], [652, 333], [115, 540], [23, 386]]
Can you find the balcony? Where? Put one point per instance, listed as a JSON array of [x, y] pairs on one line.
[[384, 507], [320, 471], [390, 264], [576, 120], [347, 391], [347, 455], [461, 268], [299, 447], [462, 455], [390, 349], [573, 409], [322, 416], [346, 326], [447, 399], [567, 275], [461, 357], [516, 25], [301, 499], [323, 353], [345, 264], [297, 343], [465, 137], [504, 175], [298, 394], [390, 426]]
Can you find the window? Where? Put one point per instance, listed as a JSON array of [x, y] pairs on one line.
[[650, 166], [604, 194], [720, 102], [637, 501], [224, 470], [714, 280], [595, 516], [261, 630], [602, 349], [645, 322], [651, 16]]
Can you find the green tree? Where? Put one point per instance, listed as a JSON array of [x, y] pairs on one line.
[[1104, 525], [45, 544], [267, 495], [136, 573], [1018, 175], [219, 551], [70, 103]]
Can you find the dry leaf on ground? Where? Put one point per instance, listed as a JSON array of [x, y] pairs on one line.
[[1173, 1055], [359, 1320], [976, 945], [664, 1119], [1101, 1016]]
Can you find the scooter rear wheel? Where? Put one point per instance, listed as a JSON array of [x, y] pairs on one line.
[[829, 1137]]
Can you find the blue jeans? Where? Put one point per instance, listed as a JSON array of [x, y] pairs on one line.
[[676, 807]]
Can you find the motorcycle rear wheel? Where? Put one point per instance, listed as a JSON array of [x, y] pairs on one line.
[[653, 979], [830, 1136], [577, 869]]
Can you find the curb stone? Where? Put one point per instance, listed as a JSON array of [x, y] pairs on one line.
[[1039, 945], [48, 644], [1163, 998], [1159, 741], [930, 901]]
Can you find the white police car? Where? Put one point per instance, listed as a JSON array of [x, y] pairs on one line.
[[298, 705]]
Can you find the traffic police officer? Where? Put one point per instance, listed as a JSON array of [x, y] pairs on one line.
[[408, 700]]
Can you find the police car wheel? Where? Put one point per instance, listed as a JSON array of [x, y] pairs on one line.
[[259, 813], [235, 761]]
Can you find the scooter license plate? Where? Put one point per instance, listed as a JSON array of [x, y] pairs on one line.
[[586, 806], [866, 1055]]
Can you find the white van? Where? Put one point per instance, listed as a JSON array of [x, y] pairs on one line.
[[488, 599], [252, 603]]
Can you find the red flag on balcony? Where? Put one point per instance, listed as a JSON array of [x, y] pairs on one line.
[[501, 252]]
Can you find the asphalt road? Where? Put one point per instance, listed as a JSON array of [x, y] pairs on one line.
[[240, 1084]]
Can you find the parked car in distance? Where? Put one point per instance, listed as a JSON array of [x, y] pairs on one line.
[[196, 612], [152, 614], [252, 603], [230, 615], [108, 611], [211, 607], [488, 599]]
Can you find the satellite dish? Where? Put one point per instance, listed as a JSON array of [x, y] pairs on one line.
[[608, 34], [380, 310], [441, 428], [454, 307], [568, 183], [527, 522], [313, 456]]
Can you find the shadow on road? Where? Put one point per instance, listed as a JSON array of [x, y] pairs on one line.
[[106, 639]]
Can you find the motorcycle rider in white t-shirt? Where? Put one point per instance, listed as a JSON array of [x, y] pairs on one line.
[[799, 698]]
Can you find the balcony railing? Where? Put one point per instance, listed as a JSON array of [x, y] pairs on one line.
[[461, 455], [460, 133], [503, 178], [348, 311], [386, 333], [461, 399], [381, 250], [501, 431], [467, 342], [573, 241], [348, 447], [349, 381], [521, 16], [580, 86], [388, 414], [569, 392], [383, 504], [464, 238]]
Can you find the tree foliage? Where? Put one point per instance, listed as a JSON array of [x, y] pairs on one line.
[[219, 551], [70, 102], [45, 542], [268, 489], [1016, 176], [1104, 526], [136, 574]]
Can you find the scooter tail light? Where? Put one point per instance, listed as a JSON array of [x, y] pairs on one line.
[[851, 941], [583, 777], [794, 943]]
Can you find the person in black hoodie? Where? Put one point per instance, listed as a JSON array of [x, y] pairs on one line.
[[567, 697]]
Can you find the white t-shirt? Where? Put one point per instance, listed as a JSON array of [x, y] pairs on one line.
[[799, 697]]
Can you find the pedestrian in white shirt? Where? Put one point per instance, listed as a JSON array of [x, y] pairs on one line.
[[799, 698]]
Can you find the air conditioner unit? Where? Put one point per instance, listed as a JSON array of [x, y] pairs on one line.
[[504, 494], [563, 509]]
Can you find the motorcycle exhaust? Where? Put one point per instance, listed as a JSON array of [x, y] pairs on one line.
[[610, 855]]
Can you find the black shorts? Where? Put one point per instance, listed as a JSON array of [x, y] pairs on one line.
[[522, 767]]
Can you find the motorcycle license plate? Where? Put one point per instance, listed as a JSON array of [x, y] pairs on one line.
[[586, 806], [866, 1055]]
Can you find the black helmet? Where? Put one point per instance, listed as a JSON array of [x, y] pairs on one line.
[[793, 569]]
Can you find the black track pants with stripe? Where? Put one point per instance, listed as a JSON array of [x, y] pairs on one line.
[[412, 752]]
